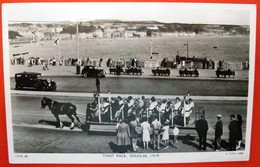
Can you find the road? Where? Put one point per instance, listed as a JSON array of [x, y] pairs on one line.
[[151, 86], [34, 130]]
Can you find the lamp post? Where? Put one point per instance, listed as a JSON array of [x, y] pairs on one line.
[[78, 42], [78, 62], [187, 45]]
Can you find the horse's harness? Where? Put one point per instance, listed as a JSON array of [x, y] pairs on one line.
[[52, 105]]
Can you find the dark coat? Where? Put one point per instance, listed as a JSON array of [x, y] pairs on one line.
[[133, 129], [239, 134], [202, 127], [97, 82], [233, 129], [219, 128]]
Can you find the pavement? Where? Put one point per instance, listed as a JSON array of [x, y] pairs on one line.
[[205, 74]]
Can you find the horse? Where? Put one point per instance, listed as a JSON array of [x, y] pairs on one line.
[[58, 108]]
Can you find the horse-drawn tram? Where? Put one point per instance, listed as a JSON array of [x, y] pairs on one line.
[[105, 113]]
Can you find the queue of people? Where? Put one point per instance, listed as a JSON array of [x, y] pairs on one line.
[[235, 133], [154, 135]]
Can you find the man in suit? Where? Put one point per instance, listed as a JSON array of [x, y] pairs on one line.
[[202, 130], [134, 132], [218, 133]]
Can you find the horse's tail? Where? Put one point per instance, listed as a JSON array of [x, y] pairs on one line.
[[73, 109]]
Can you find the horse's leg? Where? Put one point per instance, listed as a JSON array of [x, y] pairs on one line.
[[58, 121], [72, 121], [74, 115]]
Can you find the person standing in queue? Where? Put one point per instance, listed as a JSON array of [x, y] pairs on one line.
[[134, 132], [98, 84], [239, 134], [218, 133], [123, 136], [146, 133], [156, 125], [202, 130], [233, 131]]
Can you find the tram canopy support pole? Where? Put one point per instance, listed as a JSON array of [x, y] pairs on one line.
[[99, 112], [172, 117], [109, 98]]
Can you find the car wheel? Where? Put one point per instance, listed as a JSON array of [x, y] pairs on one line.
[[85, 75], [54, 87], [43, 88], [36, 86]]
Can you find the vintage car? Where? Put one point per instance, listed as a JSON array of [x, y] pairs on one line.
[[159, 71], [92, 71], [33, 80], [188, 72], [224, 73]]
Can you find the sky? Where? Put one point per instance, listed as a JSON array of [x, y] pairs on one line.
[[162, 12]]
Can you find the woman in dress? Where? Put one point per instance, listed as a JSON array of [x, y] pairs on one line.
[[123, 136], [239, 134], [146, 133], [165, 134]]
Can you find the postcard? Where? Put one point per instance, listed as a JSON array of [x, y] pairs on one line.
[[150, 82]]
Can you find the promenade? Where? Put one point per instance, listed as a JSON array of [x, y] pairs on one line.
[[205, 74]]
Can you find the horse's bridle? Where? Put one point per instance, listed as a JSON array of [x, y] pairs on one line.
[[46, 103]]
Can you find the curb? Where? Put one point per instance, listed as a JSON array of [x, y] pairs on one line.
[[90, 95]]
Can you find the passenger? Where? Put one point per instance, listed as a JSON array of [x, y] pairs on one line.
[[105, 112], [119, 113], [177, 106], [162, 109], [152, 106], [188, 106], [91, 110], [130, 104], [169, 111]]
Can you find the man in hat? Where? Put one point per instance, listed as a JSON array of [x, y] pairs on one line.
[[202, 130], [218, 133]]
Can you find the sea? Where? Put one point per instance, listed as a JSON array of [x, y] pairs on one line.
[[232, 49]]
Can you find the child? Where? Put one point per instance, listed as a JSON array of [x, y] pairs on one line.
[[175, 136], [165, 134]]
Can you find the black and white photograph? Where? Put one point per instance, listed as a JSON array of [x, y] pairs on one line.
[[128, 82]]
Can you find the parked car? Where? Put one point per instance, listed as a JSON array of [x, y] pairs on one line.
[[92, 71], [33, 80]]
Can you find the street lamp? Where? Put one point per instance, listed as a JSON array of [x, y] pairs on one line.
[[187, 44]]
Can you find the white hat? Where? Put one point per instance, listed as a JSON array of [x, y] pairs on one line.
[[219, 115]]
